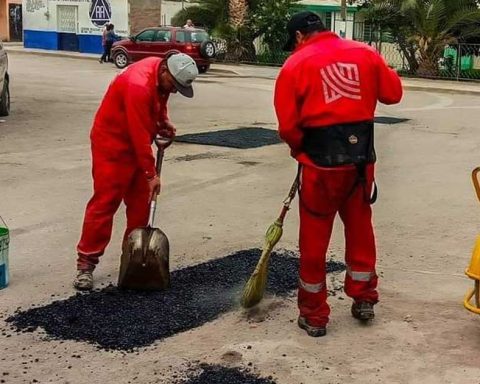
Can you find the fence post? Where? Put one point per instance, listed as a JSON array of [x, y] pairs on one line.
[[459, 61]]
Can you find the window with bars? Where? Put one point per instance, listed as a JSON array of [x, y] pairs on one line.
[[67, 18]]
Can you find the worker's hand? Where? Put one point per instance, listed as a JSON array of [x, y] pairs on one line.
[[167, 130], [294, 152], [153, 187]]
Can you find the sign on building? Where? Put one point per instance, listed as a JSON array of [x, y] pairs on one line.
[[100, 12]]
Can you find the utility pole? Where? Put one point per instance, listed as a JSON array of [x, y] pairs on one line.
[[161, 17], [343, 13], [344, 10]]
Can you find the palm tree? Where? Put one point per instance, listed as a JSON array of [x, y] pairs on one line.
[[431, 25], [239, 39], [210, 14], [237, 13], [439, 23]]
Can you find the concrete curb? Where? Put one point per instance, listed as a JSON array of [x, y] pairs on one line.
[[13, 51], [226, 72], [452, 91]]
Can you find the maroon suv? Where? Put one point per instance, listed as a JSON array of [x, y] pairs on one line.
[[163, 40]]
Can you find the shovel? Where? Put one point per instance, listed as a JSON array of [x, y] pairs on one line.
[[144, 263]]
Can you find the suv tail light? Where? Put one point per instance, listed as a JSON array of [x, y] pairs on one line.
[[190, 47]]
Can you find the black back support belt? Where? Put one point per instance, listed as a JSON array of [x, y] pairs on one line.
[[343, 144], [340, 144]]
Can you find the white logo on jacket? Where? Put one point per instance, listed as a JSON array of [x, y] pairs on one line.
[[341, 80]]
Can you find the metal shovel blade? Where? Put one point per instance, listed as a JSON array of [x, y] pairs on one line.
[[145, 261]]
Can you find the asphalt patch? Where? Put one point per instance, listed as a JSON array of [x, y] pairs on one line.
[[216, 374], [126, 320], [390, 120], [242, 138]]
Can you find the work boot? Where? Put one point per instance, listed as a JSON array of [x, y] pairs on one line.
[[363, 311], [84, 281], [311, 330]]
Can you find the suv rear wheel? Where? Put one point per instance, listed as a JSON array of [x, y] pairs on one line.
[[5, 99], [207, 49], [120, 59]]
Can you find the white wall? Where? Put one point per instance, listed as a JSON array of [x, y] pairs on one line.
[[41, 15], [170, 9], [34, 15], [341, 27]]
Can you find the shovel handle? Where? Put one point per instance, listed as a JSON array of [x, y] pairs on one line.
[[153, 207], [162, 143]]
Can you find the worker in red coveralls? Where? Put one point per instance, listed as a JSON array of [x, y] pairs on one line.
[[132, 113], [325, 99]]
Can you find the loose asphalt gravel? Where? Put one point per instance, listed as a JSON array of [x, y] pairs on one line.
[[126, 320]]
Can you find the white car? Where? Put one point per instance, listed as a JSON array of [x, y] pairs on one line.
[[4, 83]]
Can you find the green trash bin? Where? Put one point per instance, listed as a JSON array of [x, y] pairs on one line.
[[4, 243], [466, 63]]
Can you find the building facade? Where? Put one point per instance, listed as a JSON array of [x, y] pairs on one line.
[[77, 25]]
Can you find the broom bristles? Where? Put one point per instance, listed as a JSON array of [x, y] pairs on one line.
[[255, 287]]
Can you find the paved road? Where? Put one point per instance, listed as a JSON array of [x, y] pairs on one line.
[[218, 200]]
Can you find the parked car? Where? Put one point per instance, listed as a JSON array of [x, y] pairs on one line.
[[4, 83], [163, 40]]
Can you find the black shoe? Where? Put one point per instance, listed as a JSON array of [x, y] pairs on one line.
[[100, 61], [311, 331], [363, 311]]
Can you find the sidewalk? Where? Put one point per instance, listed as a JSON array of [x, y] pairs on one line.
[[17, 48], [270, 73]]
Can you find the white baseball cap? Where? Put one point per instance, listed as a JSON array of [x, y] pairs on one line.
[[184, 71]]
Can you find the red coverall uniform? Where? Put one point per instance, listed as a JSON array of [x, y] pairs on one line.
[[131, 114], [329, 81]]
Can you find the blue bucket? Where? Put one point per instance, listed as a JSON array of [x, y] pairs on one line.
[[4, 243]]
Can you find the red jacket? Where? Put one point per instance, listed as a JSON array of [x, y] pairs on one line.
[[327, 81], [131, 114]]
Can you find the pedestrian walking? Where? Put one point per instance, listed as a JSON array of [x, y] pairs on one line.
[[110, 37]]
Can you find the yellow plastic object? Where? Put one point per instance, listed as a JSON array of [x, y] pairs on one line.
[[474, 292], [473, 271], [476, 184]]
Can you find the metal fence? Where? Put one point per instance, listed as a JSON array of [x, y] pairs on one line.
[[257, 53], [454, 62]]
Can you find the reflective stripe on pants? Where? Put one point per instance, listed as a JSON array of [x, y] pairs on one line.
[[360, 276], [312, 288]]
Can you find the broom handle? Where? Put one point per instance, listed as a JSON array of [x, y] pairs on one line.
[[290, 197], [286, 206]]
